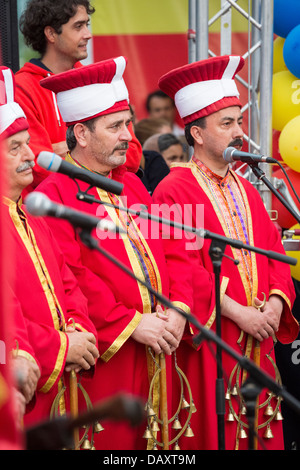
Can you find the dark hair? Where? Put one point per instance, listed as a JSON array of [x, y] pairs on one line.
[[158, 94], [70, 136], [165, 141], [201, 122], [41, 13], [146, 127]]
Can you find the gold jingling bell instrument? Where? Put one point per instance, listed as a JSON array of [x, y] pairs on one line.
[[161, 421]]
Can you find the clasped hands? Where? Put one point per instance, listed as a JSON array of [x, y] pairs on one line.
[[162, 331]]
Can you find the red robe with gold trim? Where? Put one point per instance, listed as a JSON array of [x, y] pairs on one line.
[[184, 187], [116, 301], [46, 294]]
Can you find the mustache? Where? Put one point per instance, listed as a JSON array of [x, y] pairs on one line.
[[236, 143], [25, 166], [122, 146]]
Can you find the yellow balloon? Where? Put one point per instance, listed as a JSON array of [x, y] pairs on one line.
[[286, 99], [278, 60], [289, 144], [295, 270]]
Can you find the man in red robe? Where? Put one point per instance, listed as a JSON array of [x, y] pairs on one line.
[[206, 97], [132, 334], [52, 330], [59, 32]]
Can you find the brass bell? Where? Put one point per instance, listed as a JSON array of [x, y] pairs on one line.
[[193, 408], [176, 447], [230, 416], [176, 424], [184, 404], [242, 434], [268, 433], [227, 396], [234, 391], [189, 432], [147, 434], [150, 411], [278, 416], [98, 427], [268, 410], [86, 445], [243, 410], [155, 426]]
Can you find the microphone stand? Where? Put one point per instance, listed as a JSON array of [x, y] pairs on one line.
[[260, 174], [216, 253]]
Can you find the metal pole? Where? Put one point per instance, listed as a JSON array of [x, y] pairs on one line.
[[266, 74], [192, 31], [201, 29]]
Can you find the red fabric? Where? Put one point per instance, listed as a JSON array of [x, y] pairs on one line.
[[182, 187], [45, 124], [29, 300], [114, 300]]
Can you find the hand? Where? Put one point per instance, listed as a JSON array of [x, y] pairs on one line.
[[175, 324], [261, 324], [152, 331], [27, 374], [82, 350]]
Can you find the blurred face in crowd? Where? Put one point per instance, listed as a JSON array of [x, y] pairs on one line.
[[173, 154], [160, 107], [19, 161]]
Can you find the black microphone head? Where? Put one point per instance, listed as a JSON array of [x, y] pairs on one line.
[[37, 203], [49, 161], [227, 154]]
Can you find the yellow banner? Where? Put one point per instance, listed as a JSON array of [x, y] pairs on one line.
[[120, 17]]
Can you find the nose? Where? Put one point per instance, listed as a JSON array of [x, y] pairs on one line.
[[125, 134], [238, 131], [87, 33], [28, 153]]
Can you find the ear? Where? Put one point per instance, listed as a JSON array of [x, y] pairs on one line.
[[81, 134], [196, 133], [50, 34]]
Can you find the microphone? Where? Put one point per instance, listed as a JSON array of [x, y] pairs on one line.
[[38, 204], [231, 154], [52, 162]]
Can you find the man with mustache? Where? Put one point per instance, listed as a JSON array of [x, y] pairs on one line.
[[52, 332], [93, 101], [207, 99]]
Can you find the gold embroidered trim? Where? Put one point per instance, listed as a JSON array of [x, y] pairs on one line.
[[58, 365], [126, 333]]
